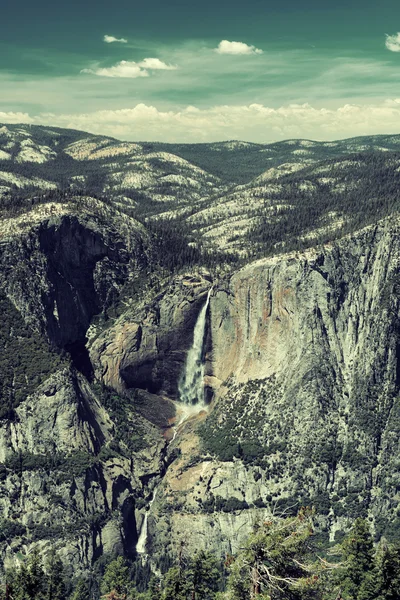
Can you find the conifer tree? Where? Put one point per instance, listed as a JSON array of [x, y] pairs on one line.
[[176, 586], [36, 579], [116, 578], [277, 562], [55, 583], [203, 575], [154, 590], [358, 576], [81, 591], [388, 566], [17, 583]]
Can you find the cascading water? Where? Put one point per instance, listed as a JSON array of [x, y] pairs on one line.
[[191, 392], [191, 385], [142, 541]]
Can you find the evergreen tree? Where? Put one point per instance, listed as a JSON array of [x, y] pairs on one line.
[[116, 578], [204, 576], [388, 565], [358, 576], [55, 584], [176, 586], [154, 590], [277, 562], [36, 579], [194, 578], [28, 582], [17, 582], [81, 591]]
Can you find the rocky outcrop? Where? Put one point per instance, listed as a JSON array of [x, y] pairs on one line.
[[63, 265], [146, 348], [63, 416], [64, 482], [67, 476]]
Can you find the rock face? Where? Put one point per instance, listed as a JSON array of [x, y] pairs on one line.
[[63, 405], [67, 477], [146, 348], [302, 367], [305, 351], [61, 483], [65, 265]]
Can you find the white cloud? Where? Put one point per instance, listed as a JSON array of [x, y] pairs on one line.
[[124, 69], [225, 47], [15, 118], [131, 69], [253, 122], [110, 39], [392, 42], [156, 64]]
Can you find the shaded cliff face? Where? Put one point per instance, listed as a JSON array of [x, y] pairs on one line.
[[61, 266], [72, 252], [71, 468]]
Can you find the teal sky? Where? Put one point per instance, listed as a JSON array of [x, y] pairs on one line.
[[259, 70]]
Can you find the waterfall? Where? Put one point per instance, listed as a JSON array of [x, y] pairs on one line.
[[142, 541], [191, 385]]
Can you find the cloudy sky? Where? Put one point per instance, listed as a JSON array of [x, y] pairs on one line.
[[190, 71]]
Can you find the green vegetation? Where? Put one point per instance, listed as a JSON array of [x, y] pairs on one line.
[[26, 360], [35, 580], [231, 430], [358, 576], [235, 163], [313, 206], [281, 560], [233, 166], [71, 465], [295, 217], [116, 578], [10, 529]]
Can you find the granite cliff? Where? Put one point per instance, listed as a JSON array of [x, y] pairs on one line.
[[305, 368]]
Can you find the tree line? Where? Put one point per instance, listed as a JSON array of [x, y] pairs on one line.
[[280, 560]]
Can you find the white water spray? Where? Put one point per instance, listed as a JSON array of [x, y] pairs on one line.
[[191, 385], [142, 541]]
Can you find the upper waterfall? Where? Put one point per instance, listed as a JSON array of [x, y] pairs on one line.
[[191, 384]]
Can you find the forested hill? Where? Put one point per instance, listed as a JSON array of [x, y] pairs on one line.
[[239, 162], [235, 162], [297, 193]]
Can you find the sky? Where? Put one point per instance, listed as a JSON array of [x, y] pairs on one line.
[[190, 71]]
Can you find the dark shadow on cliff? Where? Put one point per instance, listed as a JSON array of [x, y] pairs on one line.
[[80, 358]]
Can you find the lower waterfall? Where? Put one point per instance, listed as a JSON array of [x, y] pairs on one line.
[[142, 541], [191, 384]]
